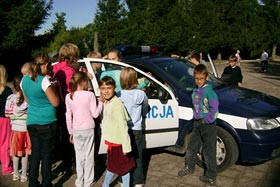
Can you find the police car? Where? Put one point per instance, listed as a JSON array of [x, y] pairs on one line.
[[248, 125]]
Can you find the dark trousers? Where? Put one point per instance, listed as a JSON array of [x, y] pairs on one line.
[[203, 135], [138, 144], [183, 130], [264, 65], [42, 139], [66, 148], [68, 155]]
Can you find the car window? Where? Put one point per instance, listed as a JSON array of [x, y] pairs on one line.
[[151, 88], [178, 72], [181, 72]]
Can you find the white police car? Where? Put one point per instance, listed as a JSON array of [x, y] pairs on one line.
[[248, 125]]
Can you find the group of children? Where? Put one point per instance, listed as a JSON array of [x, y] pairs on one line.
[[31, 110], [15, 140], [122, 126]]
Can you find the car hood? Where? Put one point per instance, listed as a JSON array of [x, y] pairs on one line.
[[247, 103]]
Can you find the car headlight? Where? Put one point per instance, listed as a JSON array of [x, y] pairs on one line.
[[262, 124]]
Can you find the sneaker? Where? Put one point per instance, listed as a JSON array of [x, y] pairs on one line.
[[15, 177], [176, 149], [208, 180], [139, 185], [185, 171], [23, 179]]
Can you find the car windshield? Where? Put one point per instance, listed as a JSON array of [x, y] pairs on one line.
[[181, 72]]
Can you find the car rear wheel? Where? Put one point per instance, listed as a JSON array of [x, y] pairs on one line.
[[227, 151]]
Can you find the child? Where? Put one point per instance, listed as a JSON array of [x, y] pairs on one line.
[[67, 65], [16, 109], [81, 108], [63, 71], [41, 119], [113, 72], [96, 67], [205, 109], [237, 54], [196, 59], [136, 104], [26, 68], [232, 73], [5, 131], [264, 61], [115, 134]]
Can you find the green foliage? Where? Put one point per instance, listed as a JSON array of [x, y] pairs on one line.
[[178, 25], [110, 20], [271, 13], [74, 35], [60, 24], [204, 25], [19, 20]]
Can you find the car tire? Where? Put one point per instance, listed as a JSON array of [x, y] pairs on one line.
[[227, 151]]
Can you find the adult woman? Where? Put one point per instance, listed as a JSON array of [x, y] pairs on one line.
[[42, 100]]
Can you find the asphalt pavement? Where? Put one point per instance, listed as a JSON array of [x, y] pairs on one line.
[[162, 167]]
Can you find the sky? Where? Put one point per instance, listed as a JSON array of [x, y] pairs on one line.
[[78, 13]]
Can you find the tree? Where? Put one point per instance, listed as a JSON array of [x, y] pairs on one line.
[[73, 35], [19, 20], [249, 27], [176, 28], [110, 21], [270, 10], [204, 26], [60, 24]]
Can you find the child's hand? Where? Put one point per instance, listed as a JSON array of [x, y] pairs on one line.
[[71, 139], [90, 76], [101, 98]]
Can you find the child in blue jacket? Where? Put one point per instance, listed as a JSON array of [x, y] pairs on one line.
[[205, 110]]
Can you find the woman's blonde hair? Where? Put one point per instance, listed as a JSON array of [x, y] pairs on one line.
[[128, 78], [3, 78], [76, 79], [40, 59], [70, 53]]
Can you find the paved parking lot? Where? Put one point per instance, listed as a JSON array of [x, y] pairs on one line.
[[162, 167]]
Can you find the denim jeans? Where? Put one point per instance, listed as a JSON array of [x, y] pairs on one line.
[[138, 144], [42, 138], [109, 176], [203, 135]]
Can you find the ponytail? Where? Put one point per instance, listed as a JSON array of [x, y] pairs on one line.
[[35, 70], [73, 86]]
